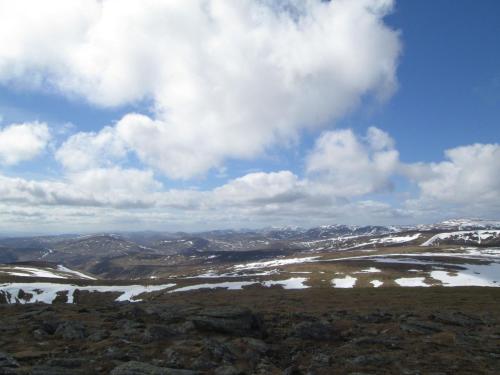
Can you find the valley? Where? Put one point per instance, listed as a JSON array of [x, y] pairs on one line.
[[328, 300]]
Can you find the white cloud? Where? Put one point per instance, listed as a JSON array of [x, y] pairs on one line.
[[116, 182], [348, 166], [254, 199], [259, 188], [468, 180], [21, 142], [90, 150], [113, 187], [343, 170], [227, 79]]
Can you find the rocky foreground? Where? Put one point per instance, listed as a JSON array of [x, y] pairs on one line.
[[259, 331]]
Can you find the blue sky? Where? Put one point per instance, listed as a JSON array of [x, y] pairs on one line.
[[441, 92]]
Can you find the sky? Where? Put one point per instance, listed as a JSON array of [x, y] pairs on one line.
[[119, 115]]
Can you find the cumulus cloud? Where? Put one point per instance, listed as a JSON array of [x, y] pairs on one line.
[[347, 165], [259, 188], [21, 142], [113, 187], [90, 150], [469, 177], [227, 79], [466, 183], [260, 197]]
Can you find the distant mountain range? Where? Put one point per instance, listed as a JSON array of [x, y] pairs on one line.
[[114, 254]]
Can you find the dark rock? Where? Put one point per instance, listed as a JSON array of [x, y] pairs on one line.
[[30, 354], [183, 328], [390, 343], [213, 354], [173, 314], [421, 327], [247, 348], [321, 360], [183, 353], [141, 368], [98, 336], [457, 319], [377, 317], [128, 329], [134, 312], [203, 355], [445, 338], [29, 315], [71, 330], [231, 320], [265, 367], [115, 353], [49, 370], [157, 332], [61, 297], [227, 370], [66, 362], [40, 334], [49, 325], [320, 330], [292, 370], [203, 363], [8, 370], [7, 361], [4, 297], [173, 358], [371, 360], [22, 295]]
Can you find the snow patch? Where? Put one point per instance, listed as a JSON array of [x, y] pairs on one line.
[[292, 283], [47, 292], [388, 240], [345, 282], [274, 263], [411, 281], [475, 236], [232, 285], [80, 275], [472, 275], [369, 270], [60, 272], [376, 283]]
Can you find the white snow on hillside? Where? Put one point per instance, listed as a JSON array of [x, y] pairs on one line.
[[231, 285], [376, 283], [369, 270], [411, 281], [396, 239], [475, 236], [47, 292], [292, 283], [73, 272], [469, 223], [274, 263], [471, 275], [60, 272], [345, 282], [387, 240]]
